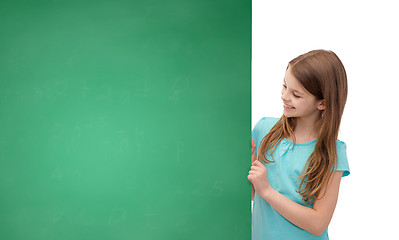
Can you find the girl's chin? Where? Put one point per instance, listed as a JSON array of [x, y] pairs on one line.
[[288, 113]]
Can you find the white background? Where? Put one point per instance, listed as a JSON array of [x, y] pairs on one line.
[[365, 36]]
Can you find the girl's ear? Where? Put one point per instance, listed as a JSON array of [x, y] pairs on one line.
[[321, 105]]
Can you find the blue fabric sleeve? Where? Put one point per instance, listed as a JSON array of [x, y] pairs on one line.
[[342, 164], [262, 127], [256, 132]]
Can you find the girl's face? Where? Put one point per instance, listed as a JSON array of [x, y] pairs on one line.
[[298, 102]]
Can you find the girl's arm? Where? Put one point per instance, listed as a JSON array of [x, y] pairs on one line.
[[314, 220]]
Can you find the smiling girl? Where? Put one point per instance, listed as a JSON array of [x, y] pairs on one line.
[[301, 162]]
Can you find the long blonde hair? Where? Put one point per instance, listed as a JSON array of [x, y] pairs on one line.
[[323, 75]]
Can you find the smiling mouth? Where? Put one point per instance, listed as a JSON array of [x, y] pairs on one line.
[[288, 106]]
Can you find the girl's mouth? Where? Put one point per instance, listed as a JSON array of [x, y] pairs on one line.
[[288, 107]]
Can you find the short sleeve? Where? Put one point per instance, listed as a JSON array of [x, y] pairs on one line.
[[261, 128], [342, 159], [256, 132]]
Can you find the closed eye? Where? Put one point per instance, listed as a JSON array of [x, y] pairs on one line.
[[293, 93]]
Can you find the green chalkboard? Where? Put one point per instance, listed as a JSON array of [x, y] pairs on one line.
[[125, 119]]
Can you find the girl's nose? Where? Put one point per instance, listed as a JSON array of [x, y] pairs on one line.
[[284, 96]]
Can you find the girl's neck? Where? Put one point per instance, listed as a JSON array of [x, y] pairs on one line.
[[305, 130]]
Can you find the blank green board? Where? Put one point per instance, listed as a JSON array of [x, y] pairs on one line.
[[125, 119]]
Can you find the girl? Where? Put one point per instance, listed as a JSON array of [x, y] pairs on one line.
[[301, 162]]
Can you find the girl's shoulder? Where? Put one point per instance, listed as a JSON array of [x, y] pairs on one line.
[[266, 123], [262, 127], [341, 145]]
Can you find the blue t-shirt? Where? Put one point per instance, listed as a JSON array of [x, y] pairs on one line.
[[267, 223]]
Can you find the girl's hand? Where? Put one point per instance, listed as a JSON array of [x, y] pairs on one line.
[[254, 157], [258, 177]]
